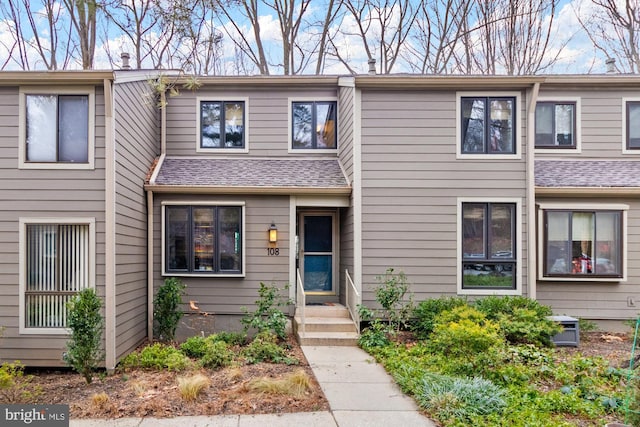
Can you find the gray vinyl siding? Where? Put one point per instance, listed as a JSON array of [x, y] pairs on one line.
[[600, 122], [137, 144], [604, 300], [226, 295], [268, 122], [411, 181], [30, 193]]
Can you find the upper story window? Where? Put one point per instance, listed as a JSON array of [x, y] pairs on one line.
[[203, 239], [632, 119], [56, 129], [313, 125], [555, 125], [488, 125], [222, 125], [583, 243], [56, 262]]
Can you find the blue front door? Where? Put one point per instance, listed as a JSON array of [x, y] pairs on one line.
[[318, 258]]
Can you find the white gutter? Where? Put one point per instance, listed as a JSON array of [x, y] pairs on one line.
[[110, 228], [531, 193]]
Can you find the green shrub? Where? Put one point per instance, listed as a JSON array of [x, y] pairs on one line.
[[166, 308], [217, 355], [84, 351], [265, 348], [268, 316], [427, 311], [157, 356], [460, 398], [194, 347], [463, 331], [232, 338], [375, 335], [15, 387], [521, 319], [392, 293]]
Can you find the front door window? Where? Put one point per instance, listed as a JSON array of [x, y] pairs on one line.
[[317, 256]]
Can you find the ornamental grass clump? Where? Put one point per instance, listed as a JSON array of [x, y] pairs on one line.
[[460, 398]]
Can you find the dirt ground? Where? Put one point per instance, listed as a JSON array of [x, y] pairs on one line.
[[141, 393], [144, 393]]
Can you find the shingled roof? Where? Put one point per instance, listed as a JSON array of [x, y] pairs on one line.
[[587, 173], [279, 175]]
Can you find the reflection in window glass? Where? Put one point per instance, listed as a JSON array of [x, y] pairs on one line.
[[203, 239], [488, 125], [216, 116], [177, 238], [229, 238], [488, 246], [313, 125]]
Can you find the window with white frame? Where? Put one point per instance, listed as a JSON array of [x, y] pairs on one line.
[[222, 124], [488, 239], [313, 125], [555, 125], [488, 124], [56, 263], [203, 239], [632, 119], [583, 243], [57, 128]]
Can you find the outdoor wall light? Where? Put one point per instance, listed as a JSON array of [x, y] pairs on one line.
[[273, 233]]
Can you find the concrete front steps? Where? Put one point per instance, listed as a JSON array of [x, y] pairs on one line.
[[325, 325]]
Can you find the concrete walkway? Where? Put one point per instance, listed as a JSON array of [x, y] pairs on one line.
[[359, 391]]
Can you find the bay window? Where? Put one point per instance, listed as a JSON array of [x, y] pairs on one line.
[[583, 243], [203, 239]]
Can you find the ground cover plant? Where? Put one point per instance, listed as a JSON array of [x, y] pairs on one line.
[[491, 363]]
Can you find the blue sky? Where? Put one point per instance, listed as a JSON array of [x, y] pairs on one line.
[[578, 55]]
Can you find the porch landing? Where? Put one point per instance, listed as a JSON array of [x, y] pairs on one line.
[[325, 325]]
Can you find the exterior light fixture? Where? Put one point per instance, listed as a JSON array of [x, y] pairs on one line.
[[273, 233]]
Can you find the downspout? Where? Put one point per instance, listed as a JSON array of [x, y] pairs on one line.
[[150, 265], [532, 252], [150, 215], [110, 229]]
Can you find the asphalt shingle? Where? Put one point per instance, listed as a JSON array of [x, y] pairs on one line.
[[224, 172], [587, 173]]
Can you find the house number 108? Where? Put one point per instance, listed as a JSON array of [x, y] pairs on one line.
[[273, 251]]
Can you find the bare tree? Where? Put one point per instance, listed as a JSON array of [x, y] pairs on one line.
[[509, 36], [48, 44], [302, 34], [614, 30], [437, 32], [252, 50], [82, 14], [382, 26]]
